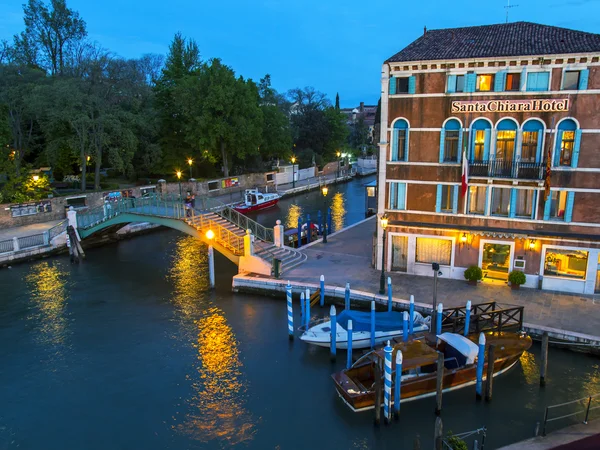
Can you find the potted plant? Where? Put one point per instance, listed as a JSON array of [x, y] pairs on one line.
[[473, 274], [516, 279]]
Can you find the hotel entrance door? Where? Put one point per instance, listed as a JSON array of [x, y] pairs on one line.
[[495, 261]]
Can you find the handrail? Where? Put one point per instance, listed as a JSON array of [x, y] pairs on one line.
[[57, 229], [223, 236], [587, 410]]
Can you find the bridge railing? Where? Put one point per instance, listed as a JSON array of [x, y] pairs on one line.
[[231, 215], [222, 235]]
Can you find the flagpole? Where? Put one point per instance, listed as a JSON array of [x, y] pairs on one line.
[[466, 146]]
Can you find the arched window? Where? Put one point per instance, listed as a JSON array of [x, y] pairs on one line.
[[400, 141], [480, 140], [506, 139], [451, 141], [533, 137], [568, 139]]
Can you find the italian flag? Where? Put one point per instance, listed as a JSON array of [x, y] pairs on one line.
[[465, 175]]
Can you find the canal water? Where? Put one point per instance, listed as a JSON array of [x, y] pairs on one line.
[[132, 350]]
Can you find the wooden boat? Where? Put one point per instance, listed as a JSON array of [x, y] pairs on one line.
[[356, 386], [255, 200], [388, 325]]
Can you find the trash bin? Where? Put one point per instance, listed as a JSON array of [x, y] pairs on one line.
[[276, 267]]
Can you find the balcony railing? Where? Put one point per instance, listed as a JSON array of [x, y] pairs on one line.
[[501, 168]]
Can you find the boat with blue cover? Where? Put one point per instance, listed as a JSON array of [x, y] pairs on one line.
[[388, 325]]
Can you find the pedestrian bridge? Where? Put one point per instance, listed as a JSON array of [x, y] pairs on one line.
[[246, 243]]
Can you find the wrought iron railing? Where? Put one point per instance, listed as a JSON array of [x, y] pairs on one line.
[[57, 229], [35, 240], [7, 246], [500, 168], [585, 404], [222, 235]]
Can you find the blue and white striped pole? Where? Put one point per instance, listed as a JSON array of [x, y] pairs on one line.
[[307, 300], [387, 394], [372, 324], [405, 326], [322, 286], [290, 311], [308, 230], [333, 332], [438, 317], [349, 361], [411, 314], [302, 309], [299, 232], [480, 363], [467, 318], [347, 297], [398, 386], [389, 294]]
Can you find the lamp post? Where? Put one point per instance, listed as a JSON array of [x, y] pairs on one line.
[[190, 162], [210, 234], [325, 190], [383, 221], [293, 172], [338, 164], [178, 173]]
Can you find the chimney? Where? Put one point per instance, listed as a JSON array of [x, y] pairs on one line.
[[424, 31]]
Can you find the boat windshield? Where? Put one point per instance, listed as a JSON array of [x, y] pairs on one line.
[[459, 347]]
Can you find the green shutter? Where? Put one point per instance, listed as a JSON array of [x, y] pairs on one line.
[[547, 207], [569, 206], [470, 82], [500, 81], [401, 196], [406, 142], [455, 200], [513, 202], [523, 78], [394, 145], [412, 83], [451, 83], [576, 145], [392, 85], [393, 195], [557, 148], [583, 79], [442, 142], [438, 199]]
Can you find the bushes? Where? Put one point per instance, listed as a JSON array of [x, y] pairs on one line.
[[473, 273], [517, 278]]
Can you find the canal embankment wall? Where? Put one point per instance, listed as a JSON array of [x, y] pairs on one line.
[[574, 437]]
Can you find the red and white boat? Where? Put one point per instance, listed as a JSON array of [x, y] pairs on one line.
[[255, 200]]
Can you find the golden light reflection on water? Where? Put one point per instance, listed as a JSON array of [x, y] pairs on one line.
[[216, 409], [46, 282], [338, 211], [293, 214], [531, 370]]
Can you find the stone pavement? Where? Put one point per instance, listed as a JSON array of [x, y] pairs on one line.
[[575, 437], [347, 258], [27, 230]]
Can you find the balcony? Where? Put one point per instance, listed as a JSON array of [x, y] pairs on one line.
[[500, 168]]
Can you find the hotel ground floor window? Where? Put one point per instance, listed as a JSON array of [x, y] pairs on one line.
[[597, 289], [432, 250], [495, 261], [500, 202], [566, 263], [477, 199], [399, 253]]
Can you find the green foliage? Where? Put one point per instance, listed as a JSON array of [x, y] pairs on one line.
[[456, 443], [473, 273], [517, 277]]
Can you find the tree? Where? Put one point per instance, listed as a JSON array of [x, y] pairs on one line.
[[337, 101], [50, 32], [276, 135]]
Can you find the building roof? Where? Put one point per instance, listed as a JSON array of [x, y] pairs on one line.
[[491, 41]]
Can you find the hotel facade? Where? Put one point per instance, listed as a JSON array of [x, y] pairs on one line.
[[518, 105]]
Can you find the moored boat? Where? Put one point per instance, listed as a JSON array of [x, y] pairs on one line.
[[388, 325], [255, 200], [356, 386]]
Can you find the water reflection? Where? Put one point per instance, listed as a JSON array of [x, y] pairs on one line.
[[216, 409], [294, 212], [46, 282], [531, 371], [338, 211]]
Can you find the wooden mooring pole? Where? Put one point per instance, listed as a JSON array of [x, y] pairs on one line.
[[439, 384], [438, 435], [544, 363], [490, 373], [377, 394]]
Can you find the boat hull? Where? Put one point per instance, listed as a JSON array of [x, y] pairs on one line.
[[251, 208], [360, 339]]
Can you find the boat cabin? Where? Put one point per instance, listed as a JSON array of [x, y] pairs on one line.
[[253, 197]]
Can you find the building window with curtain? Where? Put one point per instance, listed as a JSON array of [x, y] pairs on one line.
[[430, 250], [571, 80], [525, 203], [398, 196], [451, 146], [485, 82], [447, 198], [529, 146], [566, 263], [505, 145], [400, 141], [513, 82], [479, 145], [558, 205], [566, 148], [500, 202], [477, 199], [402, 85]]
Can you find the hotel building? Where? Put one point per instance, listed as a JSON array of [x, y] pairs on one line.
[[509, 97]]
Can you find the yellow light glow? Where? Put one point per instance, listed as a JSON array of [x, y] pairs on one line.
[[210, 234], [325, 190], [293, 160], [178, 173], [531, 244], [88, 158], [190, 161], [384, 221], [463, 238], [338, 211], [36, 177], [338, 153]]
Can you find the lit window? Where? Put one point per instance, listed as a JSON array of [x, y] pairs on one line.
[[370, 191], [500, 202], [451, 146], [558, 204], [571, 80], [505, 145], [479, 145], [431, 250], [477, 196], [566, 147], [485, 82], [447, 197], [529, 146], [513, 82], [566, 263]]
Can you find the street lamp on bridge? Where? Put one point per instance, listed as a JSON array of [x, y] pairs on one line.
[[178, 173], [293, 172]]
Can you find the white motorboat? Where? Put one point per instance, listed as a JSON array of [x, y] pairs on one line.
[[388, 325]]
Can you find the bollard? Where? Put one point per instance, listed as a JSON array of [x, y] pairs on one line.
[[398, 385], [544, 362], [372, 324], [467, 318], [299, 232], [308, 230], [302, 309], [307, 304], [389, 294], [329, 220], [347, 297], [387, 398], [290, 311], [438, 319], [438, 436], [349, 359], [377, 393], [405, 326], [411, 314], [490, 373], [480, 363], [322, 286], [333, 332], [439, 385]]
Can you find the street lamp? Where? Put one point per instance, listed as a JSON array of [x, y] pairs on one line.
[[324, 190], [338, 161], [178, 173], [36, 178], [293, 172], [190, 162], [383, 221]]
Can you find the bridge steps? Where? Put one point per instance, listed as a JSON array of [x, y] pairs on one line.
[[289, 257]]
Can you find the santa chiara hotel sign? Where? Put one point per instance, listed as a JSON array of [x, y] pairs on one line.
[[538, 105]]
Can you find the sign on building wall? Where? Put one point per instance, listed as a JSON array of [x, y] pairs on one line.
[[230, 182], [28, 209], [538, 105]]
